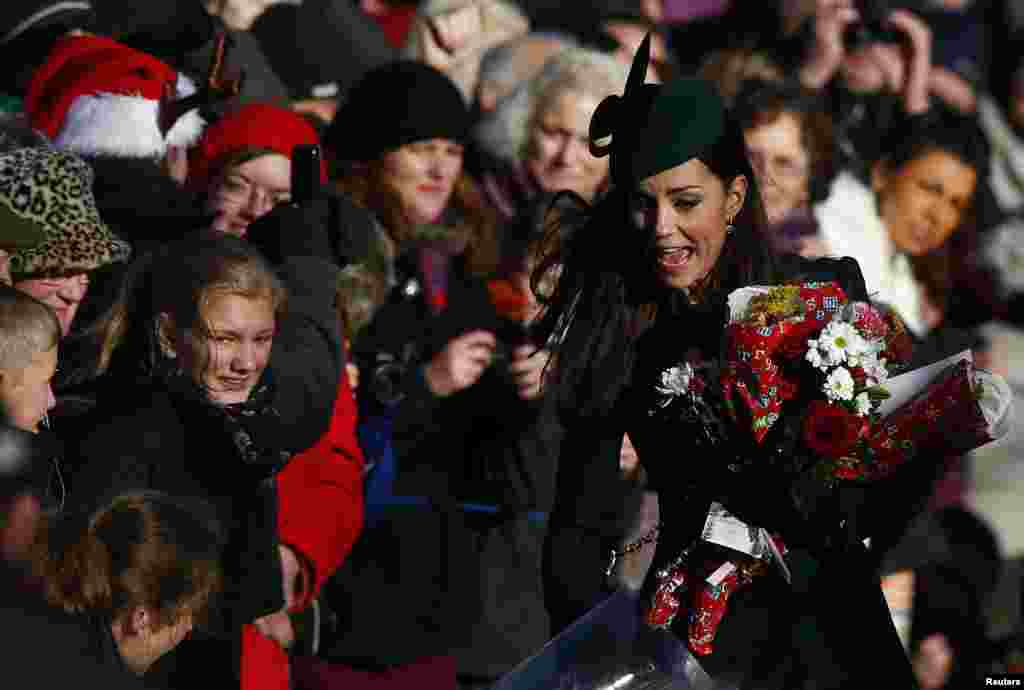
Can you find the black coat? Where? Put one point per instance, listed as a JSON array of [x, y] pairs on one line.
[[434, 576], [155, 436], [47, 649], [764, 639]]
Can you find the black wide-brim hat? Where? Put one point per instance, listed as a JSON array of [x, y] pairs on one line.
[[655, 127]]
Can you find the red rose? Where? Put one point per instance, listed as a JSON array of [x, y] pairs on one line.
[[830, 430], [849, 472]]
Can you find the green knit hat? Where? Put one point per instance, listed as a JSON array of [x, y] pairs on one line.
[[654, 127]]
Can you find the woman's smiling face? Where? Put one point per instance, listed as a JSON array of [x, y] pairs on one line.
[[227, 353], [685, 211]]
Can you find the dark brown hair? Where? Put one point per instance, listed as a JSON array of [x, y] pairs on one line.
[[608, 293], [143, 549], [761, 102]]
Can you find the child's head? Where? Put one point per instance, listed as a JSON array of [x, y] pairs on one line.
[[29, 332]]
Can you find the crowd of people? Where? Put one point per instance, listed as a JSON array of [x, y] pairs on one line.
[[329, 329]]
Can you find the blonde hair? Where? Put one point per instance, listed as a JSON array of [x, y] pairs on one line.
[[178, 281], [27, 327], [361, 290]]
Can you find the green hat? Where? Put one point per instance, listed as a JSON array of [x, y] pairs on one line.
[[51, 191], [654, 127], [18, 232]]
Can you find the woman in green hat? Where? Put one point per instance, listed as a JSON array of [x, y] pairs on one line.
[[643, 286]]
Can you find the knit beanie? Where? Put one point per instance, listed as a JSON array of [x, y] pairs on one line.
[[255, 126], [95, 96], [394, 105]]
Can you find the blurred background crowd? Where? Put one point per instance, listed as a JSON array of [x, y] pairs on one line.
[[273, 414]]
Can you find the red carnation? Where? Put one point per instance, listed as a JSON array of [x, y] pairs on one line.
[[830, 430], [869, 321]]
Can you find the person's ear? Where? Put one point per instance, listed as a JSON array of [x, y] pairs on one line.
[[735, 196], [165, 335], [137, 622]]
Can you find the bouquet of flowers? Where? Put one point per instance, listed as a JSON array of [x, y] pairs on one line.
[[809, 386], [805, 359]]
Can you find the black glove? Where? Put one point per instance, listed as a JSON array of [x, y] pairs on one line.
[[293, 230]]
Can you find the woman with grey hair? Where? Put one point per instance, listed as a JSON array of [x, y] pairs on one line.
[[536, 141]]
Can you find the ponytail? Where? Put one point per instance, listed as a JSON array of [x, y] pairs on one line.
[[145, 549], [76, 571]]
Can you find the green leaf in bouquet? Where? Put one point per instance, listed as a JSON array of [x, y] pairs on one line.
[[878, 393]]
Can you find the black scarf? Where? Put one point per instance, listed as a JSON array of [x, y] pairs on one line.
[[254, 426]]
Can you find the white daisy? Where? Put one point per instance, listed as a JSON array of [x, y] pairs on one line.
[[840, 339], [839, 385]]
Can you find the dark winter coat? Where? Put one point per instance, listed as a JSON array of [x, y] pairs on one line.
[[774, 635], [48, 649], [448, 563], [157, 435]]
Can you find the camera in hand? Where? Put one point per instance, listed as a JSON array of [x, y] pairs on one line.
[[872, 26], [509, 336]]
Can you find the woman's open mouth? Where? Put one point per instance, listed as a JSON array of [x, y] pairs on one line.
[[675, 257]]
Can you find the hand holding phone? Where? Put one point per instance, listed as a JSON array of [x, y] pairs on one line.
[[306, 167]]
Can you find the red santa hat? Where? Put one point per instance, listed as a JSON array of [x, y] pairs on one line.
[[254, 126], [95, 96]]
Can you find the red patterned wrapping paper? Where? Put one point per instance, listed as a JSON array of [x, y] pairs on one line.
[[753, 353], [709, 609], [945, 418], [668, 598]]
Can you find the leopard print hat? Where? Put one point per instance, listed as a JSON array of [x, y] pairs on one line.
[[53, 189]]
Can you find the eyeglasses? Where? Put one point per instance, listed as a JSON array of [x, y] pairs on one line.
[[239, 190], [777, 167]]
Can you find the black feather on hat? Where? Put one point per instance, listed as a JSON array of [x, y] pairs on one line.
[[654, 127]]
